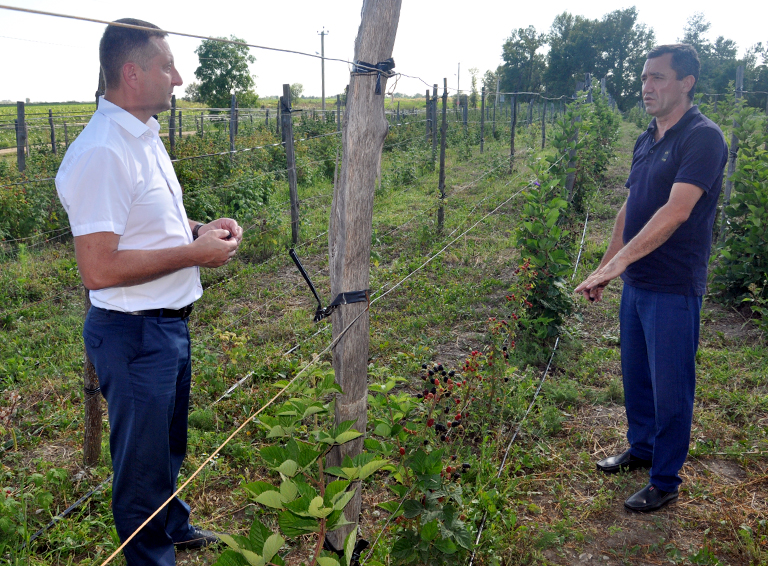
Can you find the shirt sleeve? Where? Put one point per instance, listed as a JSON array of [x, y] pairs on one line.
[[97, 192], [703, 159]]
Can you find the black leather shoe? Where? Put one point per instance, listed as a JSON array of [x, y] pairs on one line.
[[198, 539], [622, 463], [650, 498]]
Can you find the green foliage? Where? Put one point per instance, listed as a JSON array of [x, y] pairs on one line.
[[301, 498], [223, 70], [741, 273], [541, 288]]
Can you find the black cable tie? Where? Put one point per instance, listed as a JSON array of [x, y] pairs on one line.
[[345, 298], [383, 68], [92, 392]]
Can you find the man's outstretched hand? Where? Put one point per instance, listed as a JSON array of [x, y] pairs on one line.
[[592, 287]]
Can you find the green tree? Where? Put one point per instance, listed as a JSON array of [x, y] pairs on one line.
[[296, 90], [523, 67], [624, 45], [573, 51], [223, 70]]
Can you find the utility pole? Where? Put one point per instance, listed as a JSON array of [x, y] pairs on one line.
[[322, 63]]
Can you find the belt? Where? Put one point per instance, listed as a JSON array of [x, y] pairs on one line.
[[182, 313]]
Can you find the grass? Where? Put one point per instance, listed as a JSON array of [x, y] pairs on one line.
[[549, 506]]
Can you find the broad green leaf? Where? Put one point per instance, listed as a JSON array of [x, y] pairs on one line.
[[294, 526], [345, 437], [289, 490], [342, 500], [349, 546], [371, 467], [336, 471], [272, 499], [258, 487], [446, 546], [259, 533], [271, 546], [288, 468], [229, 541], [277, 432], [317, 510], [382, 429], [430, 531], [327, 561], [253, 558], [412, 508], [334, 490]]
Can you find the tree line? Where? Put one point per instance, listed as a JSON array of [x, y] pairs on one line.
[[615, 47]]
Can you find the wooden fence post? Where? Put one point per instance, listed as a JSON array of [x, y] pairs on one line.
[[232, 126], [495, 104], [287, 127], [202, 124], [21, 137], [181, 129], [172, 127], [434, 125], [482, 119], [53, 131], [543, 123], [93, 413], [512, 126], [365, 128], [441, 181], [465, 112], [428, 116], [734, 149]]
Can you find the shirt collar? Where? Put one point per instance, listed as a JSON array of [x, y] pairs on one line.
[[126, 120], [689, 115]]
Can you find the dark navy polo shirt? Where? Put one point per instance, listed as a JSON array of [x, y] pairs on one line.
[[692, 151]]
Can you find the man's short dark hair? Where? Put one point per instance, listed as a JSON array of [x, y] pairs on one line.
[[685, 61], [119, 45]]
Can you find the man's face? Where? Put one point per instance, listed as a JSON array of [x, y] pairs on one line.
[[663, 92], [157, 82]]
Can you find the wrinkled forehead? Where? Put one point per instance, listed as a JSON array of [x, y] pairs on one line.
[[659, 66], [160, 48]]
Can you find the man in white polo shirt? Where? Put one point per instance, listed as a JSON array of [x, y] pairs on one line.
[[139, 255]]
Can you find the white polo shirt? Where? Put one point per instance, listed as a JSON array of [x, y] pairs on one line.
[[117, 177]]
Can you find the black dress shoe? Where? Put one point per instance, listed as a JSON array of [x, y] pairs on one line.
[[622, 463], [650, 498], [198, 538]]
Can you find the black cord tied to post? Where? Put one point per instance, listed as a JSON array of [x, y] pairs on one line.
[[91, 392], [383, 68], [346, 298]]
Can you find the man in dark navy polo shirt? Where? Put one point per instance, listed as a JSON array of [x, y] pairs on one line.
[[660, 247]]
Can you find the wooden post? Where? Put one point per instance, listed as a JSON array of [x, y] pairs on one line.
[[734, 149], [441, 181], [21, 137], [465, 112], [53, 131], [232, 126], [66, 137], [482, 119], [512, 126], [530, 111], [172, 127], [543, 123], [92, 407], [428, 116], [287, 127], [202, 124], [398, 113], [338, 112], [434, 125], [181, 131], [278, 120], [365, 129], [495, 104]]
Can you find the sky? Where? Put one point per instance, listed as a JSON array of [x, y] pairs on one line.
[[50, 59]]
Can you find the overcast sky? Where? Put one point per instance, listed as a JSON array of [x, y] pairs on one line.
[[54, 59]]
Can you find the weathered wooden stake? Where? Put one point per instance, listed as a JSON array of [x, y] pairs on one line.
[[428, 116], [172, 127], [434, 125], [482, 119], [512, 126], [287, 128], [441, 181], [734, 149], [365, 128], [181, 129], [53, 131], [543, 123], [92, 407], [21, 137], [66, 137], [202, 124], [232, 126]]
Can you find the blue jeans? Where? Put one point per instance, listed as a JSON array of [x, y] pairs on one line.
[[144, 369], [659, 339]]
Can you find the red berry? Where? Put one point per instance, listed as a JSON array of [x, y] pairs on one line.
[[430, 422], [402, 451]]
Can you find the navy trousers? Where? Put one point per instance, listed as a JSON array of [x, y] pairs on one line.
[[659, 339], [144, 370]]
